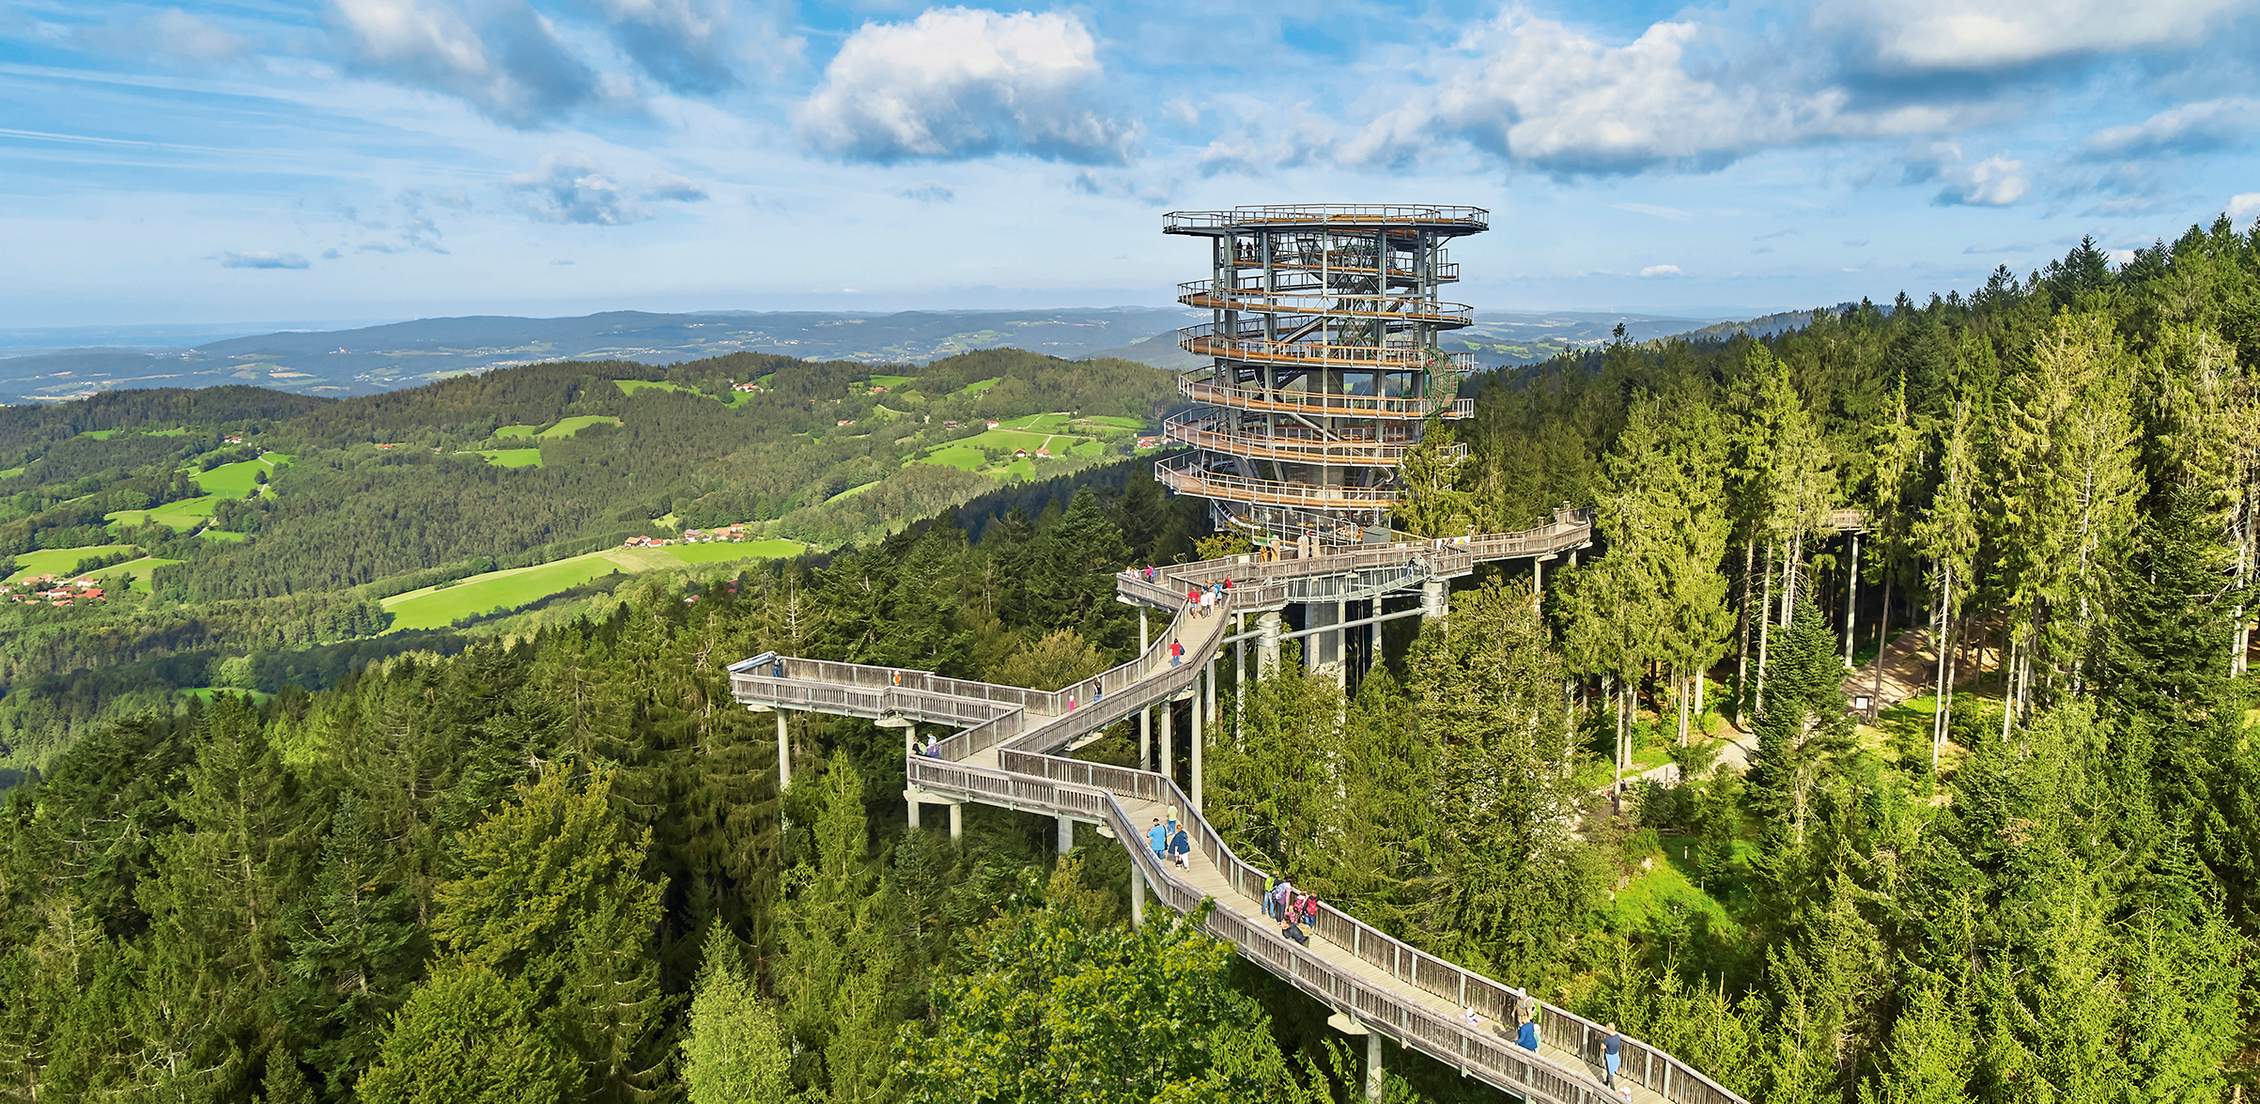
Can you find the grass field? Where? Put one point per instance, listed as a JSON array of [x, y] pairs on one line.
[[184, 514], [513, 457], [100, 434], [230, 536], [1042, 423], [11, 473], [138, 573], [851, 492], [438, 607], [891, 383], [569, 426], [1114, 421], [53, 561], [236, 480], [513, 432], [630, 387], [978, 386], [963, 457]]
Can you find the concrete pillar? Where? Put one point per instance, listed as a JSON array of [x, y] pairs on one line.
[[1267, 643], [1538, 578], [1137, 895], [1373, 1075], [1239, 681], [1208, 677], [1143, 640], [910, 798], [784, 754], [1208, 689], [1145, 737], [1066, 834], [1168, 741], [1433, 600], [957, 821], [1342, 647]]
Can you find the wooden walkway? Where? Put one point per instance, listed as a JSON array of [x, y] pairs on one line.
[[1010, 753]]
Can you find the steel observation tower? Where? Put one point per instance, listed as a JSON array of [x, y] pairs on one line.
[[1324, 363]]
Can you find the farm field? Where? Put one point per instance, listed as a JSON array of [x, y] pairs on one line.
[[989, 452], [230, 536], [11, 473], [978, 386], [510, 588], [566, 427], [139, 573], [54, 561], [512, 432], [631, 386], [236, 480], [890, 382], [183, 514], [513, 457]]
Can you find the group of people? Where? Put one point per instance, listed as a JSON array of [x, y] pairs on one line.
[[1169, 840], [1526, 1037], [1204, 599], [1097, 692], [1296, 911]]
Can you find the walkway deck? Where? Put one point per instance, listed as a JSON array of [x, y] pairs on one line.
[[1005, 756]]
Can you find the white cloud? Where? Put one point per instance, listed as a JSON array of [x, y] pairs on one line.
[[261, 258], [1655, 270], [2243, 205], [1996, 181], [1553, 97], [511, 65], [958, 83], [1959, 36], [1653, 210], [2120, 256], [2186, 128], [567, 188], [700, 46]]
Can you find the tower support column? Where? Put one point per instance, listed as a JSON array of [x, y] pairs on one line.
[[1267, 644]]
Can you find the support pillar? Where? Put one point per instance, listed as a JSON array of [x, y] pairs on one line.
[[957, 821], [1239, 681], [1137, 895], [1373, 1074], [1168, 740], [1342, 647], [1851, 593], [910, 798], [784, 754], [1432, 600], [1145, 737], [1208, 690], [1066, 833], [1208, 677], [1537, 578], [1267, 644]]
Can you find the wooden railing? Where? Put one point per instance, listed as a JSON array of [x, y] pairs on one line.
[[1184, 475], [1210, 295], [1208, 430], [1248, 344], [1325, 405], [1330, 215]]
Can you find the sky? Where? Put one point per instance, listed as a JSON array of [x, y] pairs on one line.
[[362, 160]]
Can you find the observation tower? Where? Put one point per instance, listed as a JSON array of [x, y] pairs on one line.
[[1324, 366]]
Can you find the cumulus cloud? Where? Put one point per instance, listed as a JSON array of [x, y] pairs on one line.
[[169, 32], [2243, 206], [928, 193], [2187, 128], [957, 83], [694, 46], [1656, 270], [1552, 97], [1955, 36], [569, 188], [260, 258], [1996, 181], [510, 64], [667, 187]]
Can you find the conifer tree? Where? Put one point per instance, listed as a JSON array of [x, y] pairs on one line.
[[468, 1036], [735, 1050], [1802, 726]]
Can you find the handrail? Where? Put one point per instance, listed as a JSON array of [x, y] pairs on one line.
[[1208, 295], [1201, 340], [1446, 272], [1183, 475], [1448, 219], [1028, 776], [1210, 431], [1441, 405]]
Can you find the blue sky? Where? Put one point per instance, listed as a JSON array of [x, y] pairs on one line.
[[253, 160]]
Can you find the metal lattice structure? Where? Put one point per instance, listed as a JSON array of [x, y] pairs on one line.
[[1324, 364]]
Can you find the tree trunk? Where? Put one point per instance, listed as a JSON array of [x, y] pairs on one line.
[[1742, 629], [1851, 598], [1938, 716], [1765, 604], [1681, 694]]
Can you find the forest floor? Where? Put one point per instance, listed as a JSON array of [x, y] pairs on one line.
[[1909, 667]]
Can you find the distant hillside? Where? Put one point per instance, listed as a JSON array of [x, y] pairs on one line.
[[405, 354], [1766, 325]]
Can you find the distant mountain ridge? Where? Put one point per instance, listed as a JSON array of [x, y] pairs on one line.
[[370, 359]]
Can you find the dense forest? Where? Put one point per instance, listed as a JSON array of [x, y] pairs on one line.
[[558, 866]]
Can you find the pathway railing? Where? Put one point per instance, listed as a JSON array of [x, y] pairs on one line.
[[1024, 726]]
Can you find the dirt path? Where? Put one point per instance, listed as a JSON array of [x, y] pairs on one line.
[[1910, 665]]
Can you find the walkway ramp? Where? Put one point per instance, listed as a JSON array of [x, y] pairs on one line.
[[1004, 756]]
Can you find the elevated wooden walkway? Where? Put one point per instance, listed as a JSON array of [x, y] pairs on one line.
[[1010, 753]]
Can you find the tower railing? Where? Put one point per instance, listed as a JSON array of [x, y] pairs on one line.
[[1314, 404]]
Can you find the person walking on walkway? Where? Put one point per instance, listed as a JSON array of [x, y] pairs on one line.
[[1269, 884], [1176, 653], [1310, 909], [1159, 838], [1612, 1055], [1184, 849], [1527, 1034], [1280, 895]]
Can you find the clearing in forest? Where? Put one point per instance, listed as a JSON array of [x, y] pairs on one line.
[[439, 606], [56, 561], [513, 457]]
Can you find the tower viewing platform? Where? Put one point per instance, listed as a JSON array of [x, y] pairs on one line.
[[1323, 362]]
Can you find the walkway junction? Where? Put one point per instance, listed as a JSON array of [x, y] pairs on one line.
[[1336, 571]]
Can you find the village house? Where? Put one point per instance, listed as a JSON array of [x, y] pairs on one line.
[[991, 423]]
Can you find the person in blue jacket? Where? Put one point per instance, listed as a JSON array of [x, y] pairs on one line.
[[1527, 1034], [1612, 1055], [1158, 836]]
